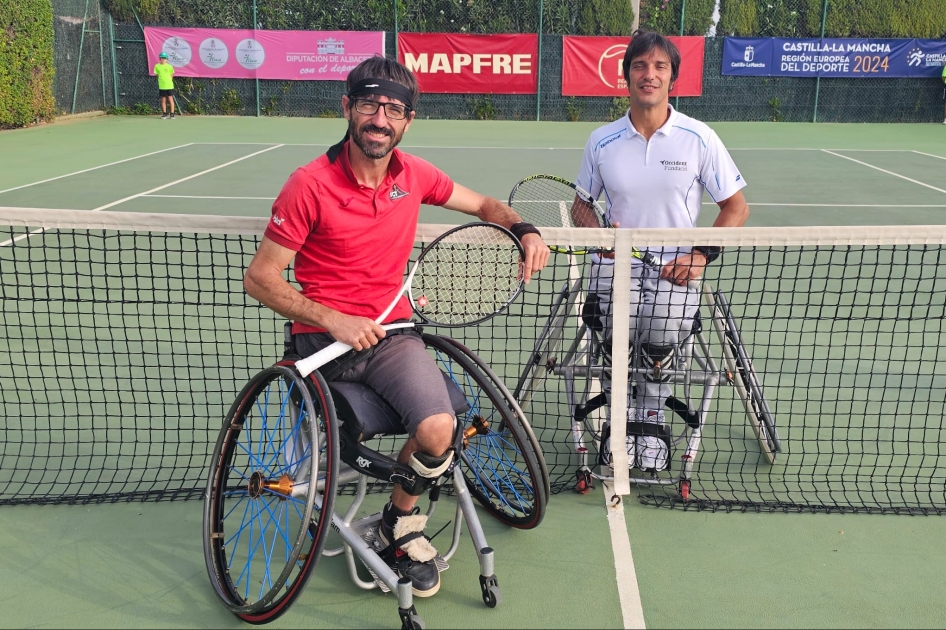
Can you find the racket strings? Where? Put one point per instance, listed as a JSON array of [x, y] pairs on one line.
[[467, 276], [547, 202]]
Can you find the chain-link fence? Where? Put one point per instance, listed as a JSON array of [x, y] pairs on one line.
[[728, 98], [83, 56]]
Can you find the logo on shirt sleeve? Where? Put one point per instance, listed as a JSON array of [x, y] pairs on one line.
[[278, 219], [397, 193]]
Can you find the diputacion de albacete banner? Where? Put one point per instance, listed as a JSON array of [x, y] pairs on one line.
[[858, 58]]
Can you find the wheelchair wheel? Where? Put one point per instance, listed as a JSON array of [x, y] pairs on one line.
[[745, 379], [502, 462], [270, 493]]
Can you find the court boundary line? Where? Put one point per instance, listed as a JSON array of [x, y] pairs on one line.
[[932, 155], [51, 179], [629, 595], [883, 170], [184, 179]]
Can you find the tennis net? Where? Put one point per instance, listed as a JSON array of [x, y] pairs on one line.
[[127, 337]]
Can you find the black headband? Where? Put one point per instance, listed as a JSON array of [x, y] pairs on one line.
[[382, 88]]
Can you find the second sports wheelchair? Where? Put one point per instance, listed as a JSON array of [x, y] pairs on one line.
[[289, 443], [581, 358]]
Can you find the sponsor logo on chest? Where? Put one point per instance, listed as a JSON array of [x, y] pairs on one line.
[[674, 165], [397, 193]]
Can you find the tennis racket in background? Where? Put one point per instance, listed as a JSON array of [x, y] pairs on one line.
[[550, 201], [465, 276]]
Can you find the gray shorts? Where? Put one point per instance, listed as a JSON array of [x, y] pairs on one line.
[[400, 369]]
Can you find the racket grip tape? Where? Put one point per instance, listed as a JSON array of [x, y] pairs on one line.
[[313, 362]]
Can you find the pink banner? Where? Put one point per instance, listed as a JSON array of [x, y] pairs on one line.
[[247, 54]]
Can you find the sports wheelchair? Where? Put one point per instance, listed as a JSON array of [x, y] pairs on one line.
[[582, 363], [289, 443]]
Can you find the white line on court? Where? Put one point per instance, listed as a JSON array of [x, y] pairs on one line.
[[184, 179], [180, 146], [210, 197], [938, 157], [877, 168], [632, 610]]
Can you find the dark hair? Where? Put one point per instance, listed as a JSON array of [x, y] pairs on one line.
[[378, 67], [643, 43]]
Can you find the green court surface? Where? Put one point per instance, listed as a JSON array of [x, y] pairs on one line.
[[141, 564]]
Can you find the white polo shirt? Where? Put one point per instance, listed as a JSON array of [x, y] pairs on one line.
[[657, 184]]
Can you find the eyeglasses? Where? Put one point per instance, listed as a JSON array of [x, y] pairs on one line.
[[394, 111]]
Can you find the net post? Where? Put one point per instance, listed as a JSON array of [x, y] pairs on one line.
[[620, 342]]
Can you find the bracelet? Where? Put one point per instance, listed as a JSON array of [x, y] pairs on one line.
[[711, 252], [522, 228]]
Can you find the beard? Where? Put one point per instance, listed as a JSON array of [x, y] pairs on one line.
[[374, 149]]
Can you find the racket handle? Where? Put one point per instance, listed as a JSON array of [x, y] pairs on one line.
[[314, 361]]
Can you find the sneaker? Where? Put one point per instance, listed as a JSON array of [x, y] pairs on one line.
[[652, 453], [163, 116], [409, 553], [944, 122], [172, 115]]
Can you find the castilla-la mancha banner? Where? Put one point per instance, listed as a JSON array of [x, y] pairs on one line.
[[471, 64], [592, 66], [218, 53]]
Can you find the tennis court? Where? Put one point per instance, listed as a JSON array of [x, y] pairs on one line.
[[139, 564]]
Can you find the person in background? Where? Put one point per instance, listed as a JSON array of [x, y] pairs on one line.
[[165, 74]]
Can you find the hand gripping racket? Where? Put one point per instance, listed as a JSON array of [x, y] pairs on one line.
[[550, 201], [465, 276]]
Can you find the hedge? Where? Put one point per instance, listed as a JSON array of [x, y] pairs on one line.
[[26, 62]]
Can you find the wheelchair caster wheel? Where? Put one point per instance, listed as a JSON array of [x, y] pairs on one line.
[[585, 482], [410, 620], [492, 596]]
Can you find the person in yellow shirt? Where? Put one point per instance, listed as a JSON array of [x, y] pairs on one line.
[[165, 73]]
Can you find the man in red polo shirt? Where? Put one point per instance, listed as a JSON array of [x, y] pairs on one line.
[[349, 219]]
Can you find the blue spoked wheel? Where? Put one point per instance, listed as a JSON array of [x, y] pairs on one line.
[[502, 462], [270, 492]]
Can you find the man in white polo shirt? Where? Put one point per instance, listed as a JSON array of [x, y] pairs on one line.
[[653, 166]]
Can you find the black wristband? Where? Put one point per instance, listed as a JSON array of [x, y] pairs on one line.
[[522, 228], [711, 252]]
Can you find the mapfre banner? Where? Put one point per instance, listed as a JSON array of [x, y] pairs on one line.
[[471, 64], [247, 54], [592, 66]]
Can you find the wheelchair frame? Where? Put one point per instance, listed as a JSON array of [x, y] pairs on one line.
[[580, 365], [270, 498]]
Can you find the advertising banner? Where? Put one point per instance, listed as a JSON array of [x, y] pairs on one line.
[[247, 54], [859, 58], [592, 66], [471, 64]]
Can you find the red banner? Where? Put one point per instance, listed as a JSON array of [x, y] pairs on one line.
[[591, 66], [471, 64]]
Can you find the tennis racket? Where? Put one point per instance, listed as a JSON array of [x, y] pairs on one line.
[[465, 276], [550, 201]]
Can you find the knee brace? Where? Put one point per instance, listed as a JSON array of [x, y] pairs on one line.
[[658, 361], [428, 469]]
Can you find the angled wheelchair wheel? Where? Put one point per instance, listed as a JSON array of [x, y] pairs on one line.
[[270, 492], [744, 376], [502, 462]]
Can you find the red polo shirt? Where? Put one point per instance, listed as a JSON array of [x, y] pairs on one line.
[[352, 242]]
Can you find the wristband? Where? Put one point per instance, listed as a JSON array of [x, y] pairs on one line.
[[522, 228], [711, 252]]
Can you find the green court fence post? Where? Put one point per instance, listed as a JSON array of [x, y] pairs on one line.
[[75, 92], [395, 29], [824, 17], [102, 53], [538, 78], [111, 34], [256, 72], [683, 12]]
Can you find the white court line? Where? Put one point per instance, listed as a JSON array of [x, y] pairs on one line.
[[938, 157], [877, 168], [210, 197], [632, 610], [95, 168], [837, 205], [184, 179]]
